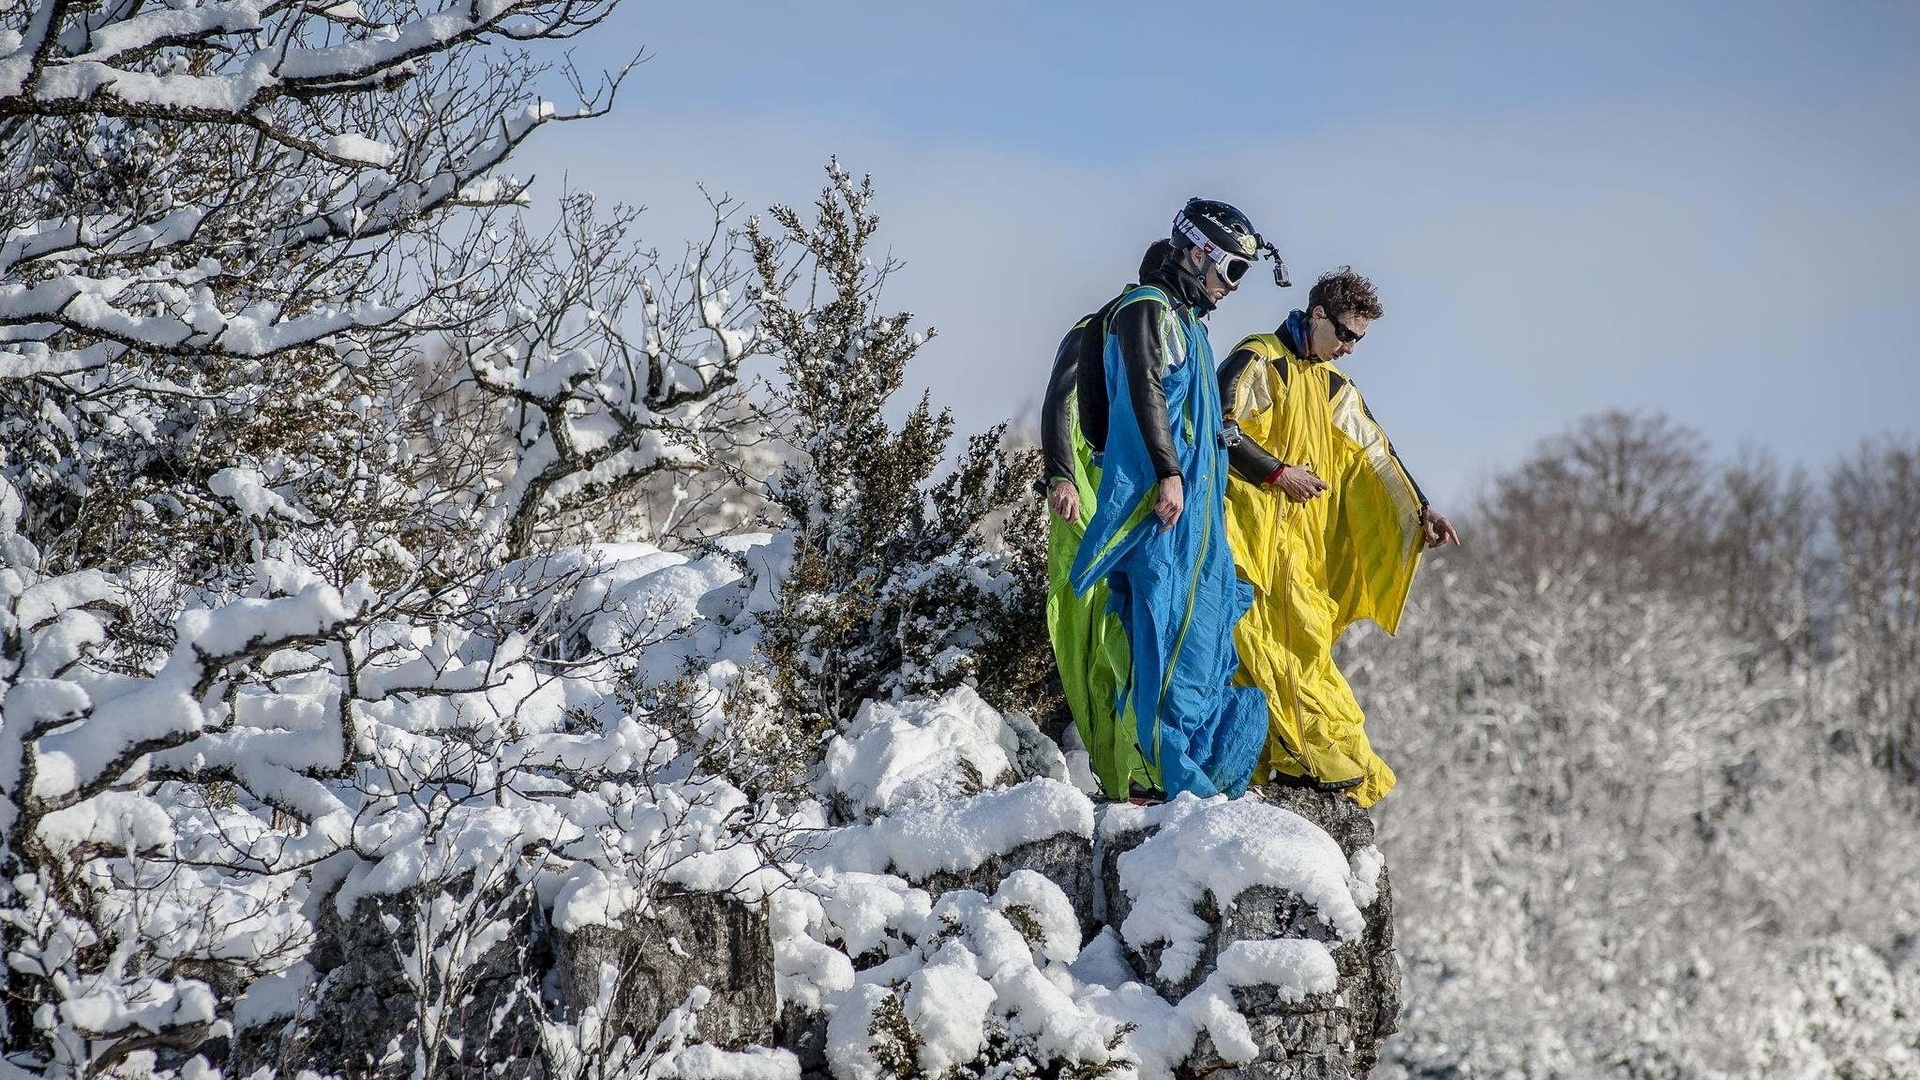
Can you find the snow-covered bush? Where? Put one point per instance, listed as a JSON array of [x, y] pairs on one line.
[[979, 987], [170, 836], [893, 589]]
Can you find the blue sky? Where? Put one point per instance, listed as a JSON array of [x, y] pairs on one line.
[[1711, 210]]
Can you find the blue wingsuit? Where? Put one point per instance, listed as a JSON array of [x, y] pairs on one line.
[[1175, 591]]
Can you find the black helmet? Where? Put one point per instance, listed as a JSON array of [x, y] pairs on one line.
[[1225, 235]]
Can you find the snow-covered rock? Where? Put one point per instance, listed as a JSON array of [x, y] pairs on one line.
[[949, 794], [685, 941], [896, 755], [1276, 937], [348, 1009]]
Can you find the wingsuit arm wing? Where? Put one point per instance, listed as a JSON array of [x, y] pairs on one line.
[[1057, 408], [1249, 460], [1143, 349], [1417, 493], [1404, 471]]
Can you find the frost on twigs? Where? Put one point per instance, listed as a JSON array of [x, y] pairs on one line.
[[611, 369]]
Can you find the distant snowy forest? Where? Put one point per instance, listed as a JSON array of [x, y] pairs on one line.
[[359, 540]]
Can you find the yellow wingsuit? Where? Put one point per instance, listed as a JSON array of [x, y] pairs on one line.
[[1319, 566]]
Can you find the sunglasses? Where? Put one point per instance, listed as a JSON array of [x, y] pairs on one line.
[[1340, 331]]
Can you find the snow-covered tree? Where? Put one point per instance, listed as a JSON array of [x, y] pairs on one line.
[[892, 588], [1876, 529], [224, 223], [257, 645], [1632, 796], [1630, 488], [1768, 566]]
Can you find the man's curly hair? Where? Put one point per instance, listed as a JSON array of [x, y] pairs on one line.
[[1343, 292]]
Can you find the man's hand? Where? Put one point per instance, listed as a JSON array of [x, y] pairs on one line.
[[1064, 498], [1437, 529], [1300, 483], [1173, 499]]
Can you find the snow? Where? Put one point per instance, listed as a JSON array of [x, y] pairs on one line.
[[1222, 847], [1365, 879], [102, 1003], [233, 16], [850, 1040], [868, 909], [1104, 962], [359, 148], [947, 1004], [960, 834], [704, 1061], [274, 997], [808, 970], [1040, 901], [896, 755], [34, 700], [116, 820], [1293, 967], [248, 490]]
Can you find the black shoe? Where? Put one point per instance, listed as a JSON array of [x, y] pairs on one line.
[[1145, 796], [1288, 780], [1309, 783]]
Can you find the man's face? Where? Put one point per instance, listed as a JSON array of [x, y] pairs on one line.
[[1332, 335], [1217, 286]]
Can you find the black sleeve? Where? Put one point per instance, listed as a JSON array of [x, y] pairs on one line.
[[1056, 411], [1247, 458], [1143, 351], [1092, 380]]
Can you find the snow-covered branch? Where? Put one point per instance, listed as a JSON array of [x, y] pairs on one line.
[[599, 397], [241, 179], [64, 61]]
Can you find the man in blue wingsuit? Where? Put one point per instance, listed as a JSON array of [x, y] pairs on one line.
[[1158, 534], [1089, 647]]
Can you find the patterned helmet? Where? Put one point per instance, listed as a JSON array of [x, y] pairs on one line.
[[1226, 237]]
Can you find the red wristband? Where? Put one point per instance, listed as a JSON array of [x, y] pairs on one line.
[[1274, 476]]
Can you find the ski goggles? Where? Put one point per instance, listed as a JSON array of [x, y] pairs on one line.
[[1232, 265]]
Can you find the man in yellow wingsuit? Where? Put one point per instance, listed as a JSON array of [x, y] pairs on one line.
[[1327, 526]]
